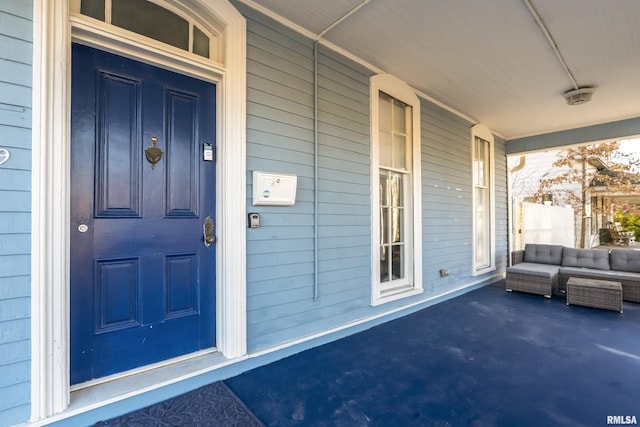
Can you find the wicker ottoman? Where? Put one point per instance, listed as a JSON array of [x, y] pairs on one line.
[[603, 294]]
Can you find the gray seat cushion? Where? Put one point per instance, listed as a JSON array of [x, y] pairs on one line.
[[534, 269], [543, 254], [625, 260], [586, 258]]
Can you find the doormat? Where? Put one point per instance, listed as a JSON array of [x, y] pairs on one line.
[[213, 405]]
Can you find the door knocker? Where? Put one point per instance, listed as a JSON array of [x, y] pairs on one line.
[[153, 153]]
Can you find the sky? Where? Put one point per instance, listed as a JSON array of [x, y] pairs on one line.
[[630, 146]]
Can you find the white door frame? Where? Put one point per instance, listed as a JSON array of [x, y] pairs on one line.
[[54, 28]]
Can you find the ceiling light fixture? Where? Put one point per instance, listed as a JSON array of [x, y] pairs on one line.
[[578, 96]]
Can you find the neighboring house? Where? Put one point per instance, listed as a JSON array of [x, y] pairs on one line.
[[607, 201], [527, 170], [127, 183]]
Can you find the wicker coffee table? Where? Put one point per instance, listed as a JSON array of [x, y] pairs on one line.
[[603, 294]]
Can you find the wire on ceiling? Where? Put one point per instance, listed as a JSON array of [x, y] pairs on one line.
[[551, 41]]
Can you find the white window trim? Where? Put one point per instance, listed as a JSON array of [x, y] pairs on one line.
[[483, 132], [51, 107], [402, 92]]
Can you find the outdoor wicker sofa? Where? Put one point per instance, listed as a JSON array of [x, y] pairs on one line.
[[624, 267], [545, 269]]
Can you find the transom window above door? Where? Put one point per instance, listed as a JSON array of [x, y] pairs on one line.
[[153, 20]]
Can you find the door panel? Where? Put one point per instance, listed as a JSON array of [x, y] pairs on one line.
[[182, 160], [116, 293], [118, 147], [142, 279]]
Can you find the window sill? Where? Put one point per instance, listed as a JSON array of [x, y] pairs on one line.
[[483, 271], [395, 294]]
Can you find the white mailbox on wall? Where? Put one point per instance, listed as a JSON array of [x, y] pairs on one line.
[[274, 189]]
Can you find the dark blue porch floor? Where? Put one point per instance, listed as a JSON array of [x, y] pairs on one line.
[[487, 358]]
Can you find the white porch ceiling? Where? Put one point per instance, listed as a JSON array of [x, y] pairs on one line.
[[489, 59]]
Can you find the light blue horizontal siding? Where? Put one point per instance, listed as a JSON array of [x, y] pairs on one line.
[[13, 309], [15, 395], [17, 73], [15, 49], [15, 287], [20, 138], [280, 254], [13, 116], [280, 131], [16, 201], [446, 198], [502, 204], [16, 402], [12, 352], [344, 195], [12, 94], [15, 329], [16, 30], [14, 244], [14, 223], [279, 139], [21, 8], [15, 179], [297, 325], [15, 372]]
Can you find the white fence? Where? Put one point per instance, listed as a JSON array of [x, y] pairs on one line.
[[537, 223]]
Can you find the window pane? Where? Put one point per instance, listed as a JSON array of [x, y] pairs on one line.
[[385, 149], [384, 264], [480, 206], [93, 8], [483, 228], [399, 121], [476, 163], [480, 253], [384, 190], [397, 225], [479, 171], [151, 20], [384, 225], [399, 151], [397, 262], [481, 162], [200, 43], [397, 198], [384, 116]]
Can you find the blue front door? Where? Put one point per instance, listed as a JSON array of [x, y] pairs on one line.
[[142, 193]]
